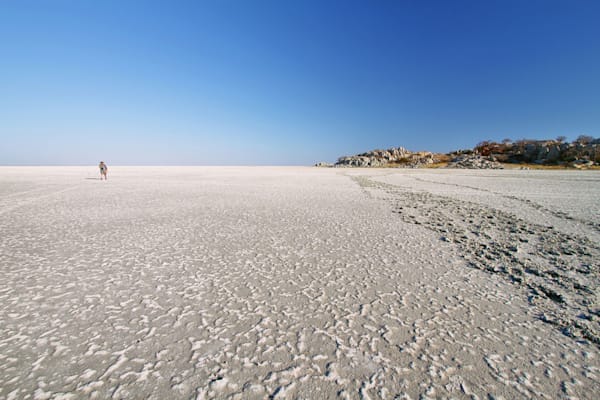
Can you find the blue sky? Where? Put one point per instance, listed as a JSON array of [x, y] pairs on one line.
[[289, 82]]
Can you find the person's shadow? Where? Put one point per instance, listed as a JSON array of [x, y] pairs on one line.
[[93, 179]]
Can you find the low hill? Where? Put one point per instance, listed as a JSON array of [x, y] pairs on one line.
[[582, 152]]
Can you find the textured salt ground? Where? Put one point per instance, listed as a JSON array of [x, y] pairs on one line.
[[253, 283], [550, 252], [566, 199]]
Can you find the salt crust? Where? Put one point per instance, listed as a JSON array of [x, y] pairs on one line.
[[250, 282]]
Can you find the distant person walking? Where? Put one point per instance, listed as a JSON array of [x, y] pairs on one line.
[[103, 170]]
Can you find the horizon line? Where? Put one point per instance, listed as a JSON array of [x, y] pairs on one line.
[[159, 165]]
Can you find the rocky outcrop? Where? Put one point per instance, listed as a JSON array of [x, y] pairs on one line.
[[323, 164], [537, 152], [359, 161], [584, 152], [474, 161], [395, 156], [543, 151]]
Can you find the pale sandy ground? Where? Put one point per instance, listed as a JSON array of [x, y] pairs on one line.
[[177, 283]]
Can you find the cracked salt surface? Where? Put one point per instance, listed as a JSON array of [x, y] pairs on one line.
[[203, 282]]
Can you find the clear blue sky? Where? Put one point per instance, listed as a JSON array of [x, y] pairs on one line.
[[289, 82]]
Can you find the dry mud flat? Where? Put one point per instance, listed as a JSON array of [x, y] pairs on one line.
[[298, 283]]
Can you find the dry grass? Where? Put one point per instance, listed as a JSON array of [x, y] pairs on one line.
[[405, 165], [437, 165], [548, 167], [444, 164]]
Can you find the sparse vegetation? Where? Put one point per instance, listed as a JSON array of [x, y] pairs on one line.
[[584, 139]]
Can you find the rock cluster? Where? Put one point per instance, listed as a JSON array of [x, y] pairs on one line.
[[323, 164], [543, 151], [582, 153], [395, 156], [359, 161], [474, 161]]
